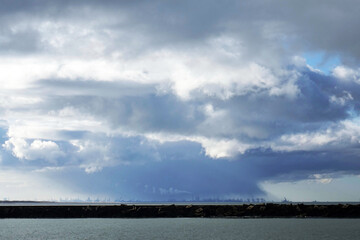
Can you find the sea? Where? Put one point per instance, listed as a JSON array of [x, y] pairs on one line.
[[181, 228]]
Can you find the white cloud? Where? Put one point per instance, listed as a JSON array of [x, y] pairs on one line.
[[320, 178], [33, 150], [93, 155], [339, 136], [223, 148], [346, 97], [213, 147], [347, 74], [50, 125]]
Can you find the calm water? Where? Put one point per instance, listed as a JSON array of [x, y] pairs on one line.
[[180, 228]]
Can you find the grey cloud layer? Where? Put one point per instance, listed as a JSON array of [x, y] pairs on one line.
[[169, 172], [249, 118], [147, 125], [261, 25]]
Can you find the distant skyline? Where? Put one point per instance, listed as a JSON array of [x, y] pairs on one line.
[[159, 100]]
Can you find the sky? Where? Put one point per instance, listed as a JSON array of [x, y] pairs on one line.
[[180, 100]]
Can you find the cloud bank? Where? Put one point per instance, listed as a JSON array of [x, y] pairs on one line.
[[158, 100]]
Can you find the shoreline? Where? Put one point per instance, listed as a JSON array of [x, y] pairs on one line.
[[265, 210]]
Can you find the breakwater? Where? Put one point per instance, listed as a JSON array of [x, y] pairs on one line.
[[171, 211]]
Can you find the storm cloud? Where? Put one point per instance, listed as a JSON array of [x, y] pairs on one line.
[[178, 100]]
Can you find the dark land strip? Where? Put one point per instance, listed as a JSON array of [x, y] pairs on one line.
[[268, 210]]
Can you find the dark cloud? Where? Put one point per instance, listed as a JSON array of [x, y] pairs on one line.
[[13, 42], [261, 26], [175, 174], [276, 120], [179, 175], [80, 87], [251, 117], [300, 165], [324, 25], [133, 168], [122, 104]]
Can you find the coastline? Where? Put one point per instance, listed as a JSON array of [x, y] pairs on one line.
[[265, 210]]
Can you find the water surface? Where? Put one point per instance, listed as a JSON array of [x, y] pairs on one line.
[[180, 228]]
